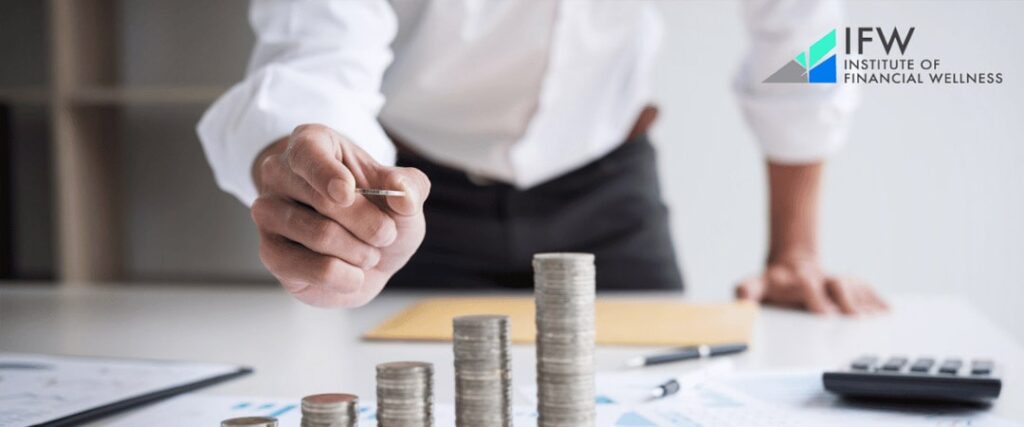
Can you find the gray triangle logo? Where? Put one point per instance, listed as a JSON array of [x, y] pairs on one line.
[[792, 72]]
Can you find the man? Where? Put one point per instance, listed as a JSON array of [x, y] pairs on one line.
[[516, 127]]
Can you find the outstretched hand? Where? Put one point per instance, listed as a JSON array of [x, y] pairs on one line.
[[328, 245]]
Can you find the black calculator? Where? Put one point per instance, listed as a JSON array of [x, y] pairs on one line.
[[921, 379]]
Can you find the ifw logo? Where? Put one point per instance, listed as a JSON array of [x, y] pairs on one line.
[[810, 66]]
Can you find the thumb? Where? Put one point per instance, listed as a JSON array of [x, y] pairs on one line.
[[315, 154], [414, 183]]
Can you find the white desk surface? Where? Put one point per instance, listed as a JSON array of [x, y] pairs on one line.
[[299, 350]]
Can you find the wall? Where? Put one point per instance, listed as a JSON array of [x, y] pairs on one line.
[[927, 197], [181, 226]]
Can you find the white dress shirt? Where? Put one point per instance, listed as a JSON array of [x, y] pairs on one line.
[[515, 91]]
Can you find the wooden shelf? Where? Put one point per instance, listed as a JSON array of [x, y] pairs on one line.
[[27, 95], [83, 96], [115, 96]]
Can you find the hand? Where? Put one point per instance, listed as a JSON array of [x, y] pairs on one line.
[[799, 282], [328, 245]]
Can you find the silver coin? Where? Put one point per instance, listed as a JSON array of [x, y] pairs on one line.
[[249, 422]]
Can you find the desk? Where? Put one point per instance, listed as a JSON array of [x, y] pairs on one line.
[[298, 350]]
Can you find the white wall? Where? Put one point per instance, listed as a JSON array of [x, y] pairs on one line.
[[927, 197]]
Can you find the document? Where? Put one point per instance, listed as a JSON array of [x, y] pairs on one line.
[[772, 398], [39, 389], [709, 398], [618, 321]]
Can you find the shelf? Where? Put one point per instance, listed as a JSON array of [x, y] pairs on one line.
[[115, 96], [26, 95]]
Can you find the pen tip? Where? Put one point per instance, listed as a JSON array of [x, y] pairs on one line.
[[635, 362]]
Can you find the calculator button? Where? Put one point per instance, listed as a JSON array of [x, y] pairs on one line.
[[863, 363], [981, 367], [950, 366], [894, 363], [923, 364]]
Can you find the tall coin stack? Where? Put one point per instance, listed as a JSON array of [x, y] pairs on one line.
[[483, 371], [330, 410], [405, 394], [564, 286]]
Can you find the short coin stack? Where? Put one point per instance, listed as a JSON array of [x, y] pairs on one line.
[[405, 394], [250, 422], [564, 285], [483, 371], [330, 410]]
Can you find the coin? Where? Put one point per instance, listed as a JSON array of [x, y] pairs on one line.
[[380, 192], [249, 422]]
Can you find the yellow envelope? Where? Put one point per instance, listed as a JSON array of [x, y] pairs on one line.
[[619, 321]]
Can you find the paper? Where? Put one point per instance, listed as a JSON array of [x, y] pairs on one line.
[[205, 410], [775, 398], [38, 388], [798, 395], [618, 321], [708, 398]]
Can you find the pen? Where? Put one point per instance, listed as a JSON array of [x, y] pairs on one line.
[[685, 353], [667, 388]]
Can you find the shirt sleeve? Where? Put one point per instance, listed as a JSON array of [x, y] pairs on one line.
[[315, 61], [793, 122]]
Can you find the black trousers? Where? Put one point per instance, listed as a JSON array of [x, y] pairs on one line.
[[485, 235]]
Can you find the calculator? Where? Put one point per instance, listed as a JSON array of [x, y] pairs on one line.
[[924, 378]]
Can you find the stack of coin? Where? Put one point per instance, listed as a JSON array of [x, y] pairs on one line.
[[564, 286], [250, 422], [483, 371], [330, 410], [405, 394]]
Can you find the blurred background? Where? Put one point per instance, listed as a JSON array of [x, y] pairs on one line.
[[103, 179]]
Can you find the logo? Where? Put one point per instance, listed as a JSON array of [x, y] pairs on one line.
[[875, 56], [810, 66]]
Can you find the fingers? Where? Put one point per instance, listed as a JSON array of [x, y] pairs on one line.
[[367, 222], [315, 279], [880, 304], [816, 300], [315, 154], [361, 217], [414, 183], [316, 232], [855, 296], [846, 296], [871, 299], [281, 181], [751, 288]]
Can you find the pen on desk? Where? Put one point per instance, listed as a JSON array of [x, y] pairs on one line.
[[685, 353], [667, 388]]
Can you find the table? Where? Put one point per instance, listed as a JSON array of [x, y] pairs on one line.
[[299, 350]]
